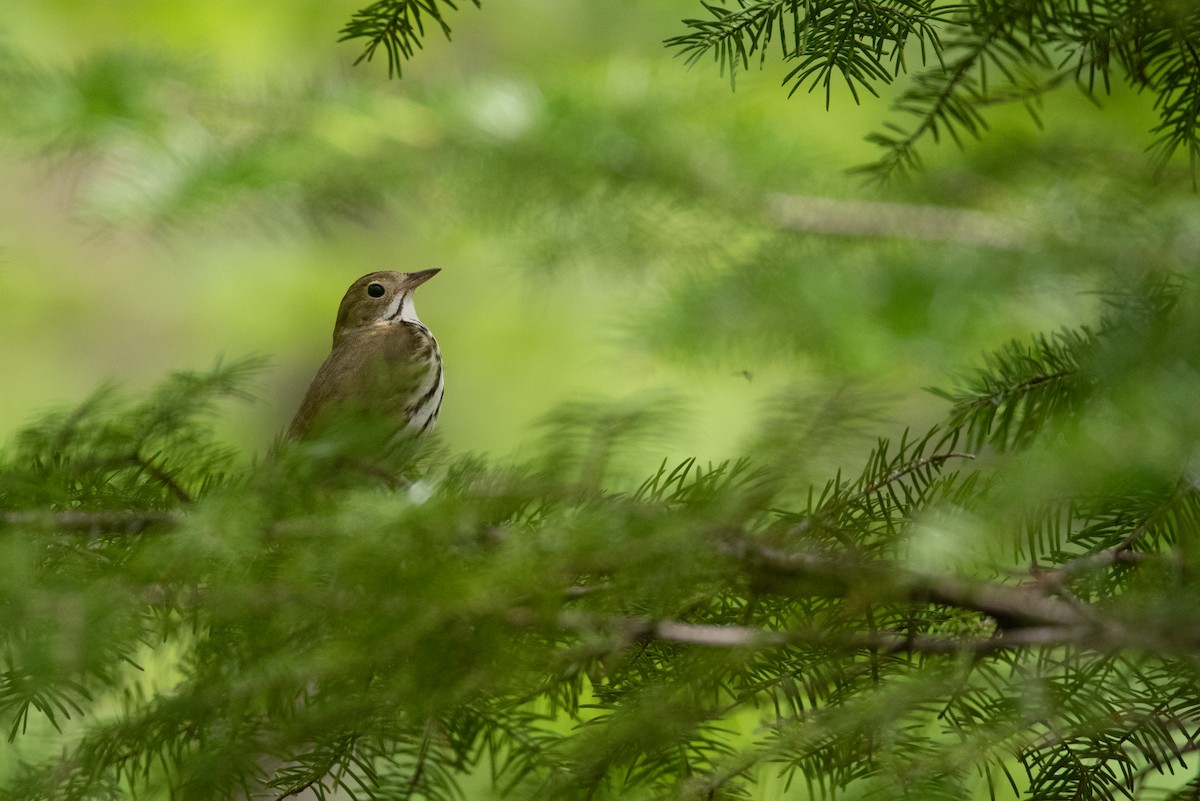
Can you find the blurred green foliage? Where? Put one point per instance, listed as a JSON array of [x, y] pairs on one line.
[[172, 197], [641, 266]]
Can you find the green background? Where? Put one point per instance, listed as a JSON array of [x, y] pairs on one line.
[[186, 181]]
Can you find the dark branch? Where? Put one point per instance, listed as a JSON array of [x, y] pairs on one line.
[[106, 522], [1009, 606], [716, 636], [161, 476]]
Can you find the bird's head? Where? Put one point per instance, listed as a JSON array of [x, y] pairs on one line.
[[378, 298]]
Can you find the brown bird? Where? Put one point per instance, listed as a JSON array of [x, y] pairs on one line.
[[385, 364]]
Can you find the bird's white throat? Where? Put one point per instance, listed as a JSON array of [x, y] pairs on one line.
[[402, 309]]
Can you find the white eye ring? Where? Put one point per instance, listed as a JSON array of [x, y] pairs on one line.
[[375, 289]]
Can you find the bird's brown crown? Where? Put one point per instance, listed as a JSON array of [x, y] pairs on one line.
[[380, 297]]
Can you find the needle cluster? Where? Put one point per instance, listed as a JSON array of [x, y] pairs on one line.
[[955, 60], [958, 612], [962, 58]]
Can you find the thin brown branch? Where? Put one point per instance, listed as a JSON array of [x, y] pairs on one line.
[[1009, 606], [1183, 488], [722, 636], [1119, 555], [898, 220], [161, 476], [909, 469], [93, 522], [717, 636]]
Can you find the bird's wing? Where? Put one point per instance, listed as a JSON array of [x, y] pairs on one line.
[[374, 373]]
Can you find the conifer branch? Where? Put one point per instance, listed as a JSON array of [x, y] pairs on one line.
[[1021, 389], [93, 522], [900, 220], [889, 642], [1120, 555], [398, 26], [1009, 606], [904, 471], [159, 475], [1056, 634], [971, 56]]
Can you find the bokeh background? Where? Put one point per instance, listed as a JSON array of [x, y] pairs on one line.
[[194, 180], [187, 181]]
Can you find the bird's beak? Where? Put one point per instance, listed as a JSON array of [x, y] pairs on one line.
[[414, 280]]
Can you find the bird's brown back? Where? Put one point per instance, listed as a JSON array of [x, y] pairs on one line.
[[380, 372]]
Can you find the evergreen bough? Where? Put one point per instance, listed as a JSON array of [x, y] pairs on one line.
[[326, 622], [958, 58], [179, 624]]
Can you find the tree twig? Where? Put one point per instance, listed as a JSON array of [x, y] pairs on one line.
[[1010, 606], [161, 476], [887, 641], [93, 522], [899, 220]]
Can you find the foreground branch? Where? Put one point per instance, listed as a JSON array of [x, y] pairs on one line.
[[1009, 606], [629, 629], [91, 522], [886, 641]]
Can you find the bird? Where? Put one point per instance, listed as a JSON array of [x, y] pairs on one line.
[[385, 364]]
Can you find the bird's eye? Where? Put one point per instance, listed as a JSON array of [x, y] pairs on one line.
[[375, 290]]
